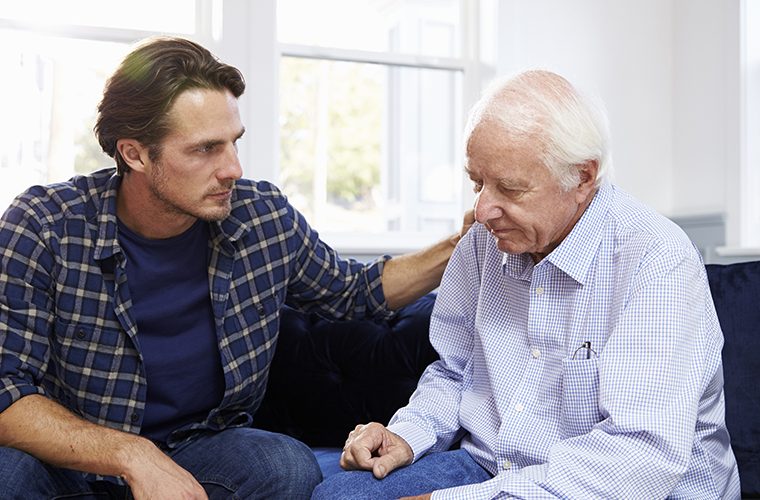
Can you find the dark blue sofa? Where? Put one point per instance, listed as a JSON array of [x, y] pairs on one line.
[[327, 377]]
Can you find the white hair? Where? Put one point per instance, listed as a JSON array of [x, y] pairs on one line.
[[542, 106]]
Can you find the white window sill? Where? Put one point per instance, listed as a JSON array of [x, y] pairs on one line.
[[375, 244]]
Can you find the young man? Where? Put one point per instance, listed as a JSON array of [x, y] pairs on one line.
[[580, 352], [139, 308]]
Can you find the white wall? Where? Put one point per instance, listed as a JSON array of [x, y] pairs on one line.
[[621, 51], [706, 108], [668, 73]]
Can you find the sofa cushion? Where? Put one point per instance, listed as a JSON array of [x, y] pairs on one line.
[[327, 377], [736, 293]]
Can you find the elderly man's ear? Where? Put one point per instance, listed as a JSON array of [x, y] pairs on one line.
[[587, 173]]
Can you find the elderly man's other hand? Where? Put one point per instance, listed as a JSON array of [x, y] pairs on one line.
[[373, 447]]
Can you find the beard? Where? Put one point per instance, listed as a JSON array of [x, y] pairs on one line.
[[176, 201]]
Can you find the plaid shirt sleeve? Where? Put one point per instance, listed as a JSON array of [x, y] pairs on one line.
[[321, 281], [26, 306]]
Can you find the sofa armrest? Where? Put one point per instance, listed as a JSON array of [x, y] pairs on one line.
[[735, 290], [326, 377]]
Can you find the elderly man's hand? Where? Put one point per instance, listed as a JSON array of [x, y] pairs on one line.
[[373, 447]]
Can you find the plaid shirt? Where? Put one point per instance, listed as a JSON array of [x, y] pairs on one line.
[[66, 328], [641, 417]]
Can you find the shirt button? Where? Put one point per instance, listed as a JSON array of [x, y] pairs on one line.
[[134, 417], [80, 334], [519, 407], [535, 353], [506, 465], [539, 290]]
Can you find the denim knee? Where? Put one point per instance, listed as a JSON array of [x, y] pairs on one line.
[[23, 476], [251, 463], [291, 469], [18, 470]]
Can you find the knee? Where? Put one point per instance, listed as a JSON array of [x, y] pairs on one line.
[[289, 467], [18, 470], [294, 466], [351, 485]]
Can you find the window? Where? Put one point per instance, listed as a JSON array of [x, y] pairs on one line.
[[45, 136], [354, 107], [371, 113], [56, 57]]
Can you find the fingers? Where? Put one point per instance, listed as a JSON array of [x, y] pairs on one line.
[[467, 221], [394, 453], [361, 445], [373, 447]]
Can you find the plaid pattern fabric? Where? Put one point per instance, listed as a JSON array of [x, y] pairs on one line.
[[66, 329], [642, 416]]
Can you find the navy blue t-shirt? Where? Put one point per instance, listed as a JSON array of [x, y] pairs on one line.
[[168, 283]]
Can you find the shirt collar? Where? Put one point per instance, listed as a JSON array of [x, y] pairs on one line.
[[577, 251], [575, 254], [225, 231], [107, 245]]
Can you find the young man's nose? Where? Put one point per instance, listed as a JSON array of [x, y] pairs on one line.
[[232, 169]]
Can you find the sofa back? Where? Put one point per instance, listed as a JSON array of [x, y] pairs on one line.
[[326, 377], [736, 293]]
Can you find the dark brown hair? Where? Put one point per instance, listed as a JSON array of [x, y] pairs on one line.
[[140, 93]]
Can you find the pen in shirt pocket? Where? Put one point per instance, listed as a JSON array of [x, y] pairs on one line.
[[584, 351]]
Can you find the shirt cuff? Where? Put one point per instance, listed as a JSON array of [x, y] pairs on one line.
[[478, 491], [376, 299], [419, 440]]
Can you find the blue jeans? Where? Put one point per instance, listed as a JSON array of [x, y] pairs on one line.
[[432, 472], [235, 463]]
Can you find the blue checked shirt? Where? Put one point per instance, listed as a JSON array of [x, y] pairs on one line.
[[66, 328], [641, 418]]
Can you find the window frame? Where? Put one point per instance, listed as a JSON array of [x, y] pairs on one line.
[[262, 107], [244, 34]]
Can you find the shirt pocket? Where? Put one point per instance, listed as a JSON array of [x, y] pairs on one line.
[[580, 396], [87, 357]]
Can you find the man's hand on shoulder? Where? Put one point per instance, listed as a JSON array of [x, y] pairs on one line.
[[467, 221], [373, 447]]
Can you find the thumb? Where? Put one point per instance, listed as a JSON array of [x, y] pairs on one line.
[[384, 464]]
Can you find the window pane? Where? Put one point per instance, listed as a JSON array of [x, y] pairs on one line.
[[422, 27], [167, 15], [52, 88], [370, 148]]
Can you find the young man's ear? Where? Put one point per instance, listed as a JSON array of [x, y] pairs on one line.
[[133, 153]]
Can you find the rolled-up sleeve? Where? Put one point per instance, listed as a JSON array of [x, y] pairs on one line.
[[25, 305]]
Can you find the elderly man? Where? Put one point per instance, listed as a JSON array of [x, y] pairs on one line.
[[139, 306], [580, 352]]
